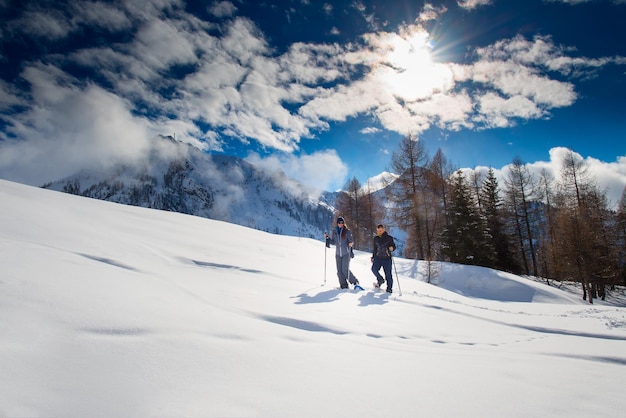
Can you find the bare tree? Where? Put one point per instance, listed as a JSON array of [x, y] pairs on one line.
[[409, 163], [520, 188], [362, 210], [374, 213], [476, 181], [621, 237], [547, 233], [584, 239], [442, 171]]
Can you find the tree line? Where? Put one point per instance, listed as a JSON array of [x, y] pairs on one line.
[[560, 229]]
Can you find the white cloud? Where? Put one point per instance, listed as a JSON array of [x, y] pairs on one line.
[[222, 9], [609, 176], [236, 87], [159, 45], [68, 129], [321, 170], [498, 112], [370, 130], [101, 15], [448, 111], [512, 79], [473, 4], [51, 25], [430, 12], [9, 97]]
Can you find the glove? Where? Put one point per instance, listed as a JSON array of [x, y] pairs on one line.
[[351, 253]]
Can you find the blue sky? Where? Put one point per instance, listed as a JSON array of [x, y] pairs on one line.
[[323, 90]]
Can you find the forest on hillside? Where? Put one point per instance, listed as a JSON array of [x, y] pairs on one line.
[[560, 228]]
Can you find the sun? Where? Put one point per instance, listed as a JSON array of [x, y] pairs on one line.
[[407, 70]]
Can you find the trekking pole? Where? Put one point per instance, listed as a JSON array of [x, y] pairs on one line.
[[397, 277], [324, 284]]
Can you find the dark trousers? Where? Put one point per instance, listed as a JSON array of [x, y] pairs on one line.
[[385, 263]]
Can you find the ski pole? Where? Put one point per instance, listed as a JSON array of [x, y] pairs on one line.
[[397, 277], [324, 262]]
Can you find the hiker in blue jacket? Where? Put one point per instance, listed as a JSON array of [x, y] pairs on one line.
[[341, 238]]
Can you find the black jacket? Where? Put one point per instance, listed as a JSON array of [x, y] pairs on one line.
[[382, 244]]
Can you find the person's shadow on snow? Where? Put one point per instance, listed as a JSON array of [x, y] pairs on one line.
[[365, 298], [322, 297], [374, 298]]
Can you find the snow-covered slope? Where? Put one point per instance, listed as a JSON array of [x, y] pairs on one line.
[[180, 178], [110, 310]]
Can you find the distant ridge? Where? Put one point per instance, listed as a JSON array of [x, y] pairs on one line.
[[177, 177]]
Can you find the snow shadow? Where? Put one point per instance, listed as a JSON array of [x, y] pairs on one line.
[[300, 324], [116, 332], [321, 297], [566, 332], [366, 298], [374, 298], [108, 261], [600, 359], [224, 266]]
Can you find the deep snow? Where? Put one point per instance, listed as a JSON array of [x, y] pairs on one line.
[[110, 310]]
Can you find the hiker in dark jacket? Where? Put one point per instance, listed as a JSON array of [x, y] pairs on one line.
[[381, 257], [341, 238]]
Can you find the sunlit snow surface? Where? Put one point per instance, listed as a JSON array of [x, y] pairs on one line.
[[109, 310]]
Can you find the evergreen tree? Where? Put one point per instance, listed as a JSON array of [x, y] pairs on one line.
[[465, 239], [492, 212]]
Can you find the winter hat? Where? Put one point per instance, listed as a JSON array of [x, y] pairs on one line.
[[340, 219]]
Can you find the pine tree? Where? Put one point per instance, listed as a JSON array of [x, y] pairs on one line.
[[491, 208], [465, 239]]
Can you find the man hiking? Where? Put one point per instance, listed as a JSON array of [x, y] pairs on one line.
[[381, 257]]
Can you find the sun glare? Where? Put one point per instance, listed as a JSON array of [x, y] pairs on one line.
[[408, 71]]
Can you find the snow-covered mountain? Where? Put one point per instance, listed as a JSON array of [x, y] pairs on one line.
[[111, 310], [180, 178]]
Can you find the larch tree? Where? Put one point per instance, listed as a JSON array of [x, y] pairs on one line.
[[584, 237], [519, 199], [409, 163]]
